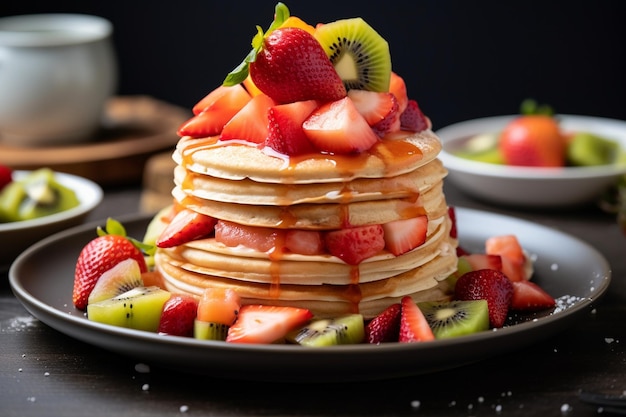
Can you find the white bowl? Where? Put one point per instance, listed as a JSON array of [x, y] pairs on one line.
[[18, 236], [529, 187]]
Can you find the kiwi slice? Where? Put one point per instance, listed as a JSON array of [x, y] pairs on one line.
[[123, 277], [206, 330], [36, 195], [359, 54], [455, 318], [482, 148], [342, 330], [586, 149], [139, 308]]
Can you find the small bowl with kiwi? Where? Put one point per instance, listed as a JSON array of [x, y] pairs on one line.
[[597, 148], [36, 204]]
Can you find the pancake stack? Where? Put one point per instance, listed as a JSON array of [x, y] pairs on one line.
[[398, 178]]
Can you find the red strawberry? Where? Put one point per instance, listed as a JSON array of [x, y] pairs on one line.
[[250, 123], [483, 261], [262, 239], [529, 296], [533, 140], [404, 235], [214, 111], [397, 87], [453, 228], [178, 315], [285, 134], [490, 285], [187, 225], [380, 110], [6, 176], [266, 323], [413, 119], [353, 245], [101, 254], [291, 66], [512, 254], [413, 325], [338, 127], [385, 327]]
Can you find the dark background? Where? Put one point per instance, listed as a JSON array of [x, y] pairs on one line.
[[461, 59]]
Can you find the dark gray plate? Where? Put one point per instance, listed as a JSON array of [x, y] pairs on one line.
[[42, 279]]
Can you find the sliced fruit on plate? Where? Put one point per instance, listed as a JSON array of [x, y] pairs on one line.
[[456, 318], [413, 325], [490, 285], [342, 330], [266, 323], [122, 277]]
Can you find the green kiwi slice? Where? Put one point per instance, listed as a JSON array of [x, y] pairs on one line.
[[139, 308], [455, 318], [207, 330], [342, 330], [359, 54], [586, 149]]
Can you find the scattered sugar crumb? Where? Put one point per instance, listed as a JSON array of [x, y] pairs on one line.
[[142, 368], [566, 408], [46, 374], [184, 408], [145, 387], [609, 340], [17, 324], [23, 355], [415, 404], [554, 267], [31, 399], [498, 408], [481, 400]]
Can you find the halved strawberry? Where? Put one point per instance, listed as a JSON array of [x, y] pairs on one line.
[[413, 119], [338, 127], [385, 327], [528, 296], [404, 235], [187, 225], [355, 244], [214, 111], [379, 109], [285, 134], [178, 315], [397, 87], [490, 285], [413, 325], [250, 123], [262, 239], [266, 323], [304, 242], [101, 254], [513, 257], [483, 261]]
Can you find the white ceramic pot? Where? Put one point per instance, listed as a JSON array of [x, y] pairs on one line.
[[56, 73]]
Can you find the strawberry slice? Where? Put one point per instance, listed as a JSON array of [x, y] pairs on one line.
[[250, 123], [101, 254], [483, 261], [490, 285], [512, 253], [355, 244], [385, 327], [338, 127], [262, 239], [528, 296], [413, 119], [266, 323], [413, 325], [397, 87], [285, 134], [214, 111], [187, 225], [304, 242], [380, 109], [178, 315], [404, 235]]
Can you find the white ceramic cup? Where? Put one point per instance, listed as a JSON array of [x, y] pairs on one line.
[[56, 73]]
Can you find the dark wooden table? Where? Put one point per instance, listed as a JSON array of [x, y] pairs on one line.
[[45, 373]]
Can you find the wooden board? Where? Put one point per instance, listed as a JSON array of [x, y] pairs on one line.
[[134, 129]]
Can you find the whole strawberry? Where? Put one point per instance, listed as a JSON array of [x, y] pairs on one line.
[[101, 254], [289, 64], [490, 285]]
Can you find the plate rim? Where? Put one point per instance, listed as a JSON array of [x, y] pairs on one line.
[[57, 319]]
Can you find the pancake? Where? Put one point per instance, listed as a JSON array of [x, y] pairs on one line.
[[396, 154]]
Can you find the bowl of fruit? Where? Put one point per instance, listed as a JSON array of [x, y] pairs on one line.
[[538, 160], [36, 204]]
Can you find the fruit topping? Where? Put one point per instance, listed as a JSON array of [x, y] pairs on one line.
[[359, 54], [354, 244], [285, 134], [187, 225], [342, 330], [413, 325], [266, 324], [456, 318], [250, 123], [490, 285], [385, 327], [404, 235], [178, 316], [380, 109]]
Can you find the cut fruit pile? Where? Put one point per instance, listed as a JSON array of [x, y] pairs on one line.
[[126, 294]]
